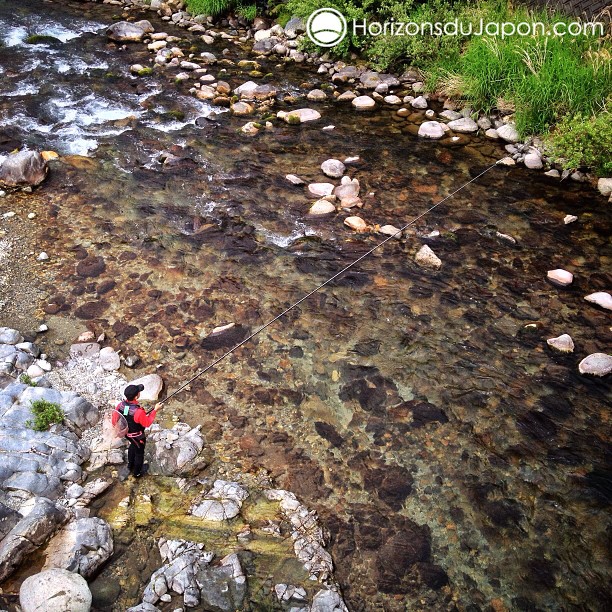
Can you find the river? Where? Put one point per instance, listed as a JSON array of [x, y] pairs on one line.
[[458, 462]]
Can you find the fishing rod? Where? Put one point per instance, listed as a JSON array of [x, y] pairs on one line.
[[319, 287]]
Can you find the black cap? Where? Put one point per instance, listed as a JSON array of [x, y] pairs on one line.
[[131, 391]]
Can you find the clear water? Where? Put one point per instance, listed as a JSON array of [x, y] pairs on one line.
[[510, 493]]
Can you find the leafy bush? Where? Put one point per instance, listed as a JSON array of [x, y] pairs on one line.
[[45, 414], [248, 11], [27, 380], [585, 141]]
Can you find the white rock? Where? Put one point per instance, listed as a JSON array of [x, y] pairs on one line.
[[569, 219], [598, 364], [153, 385], [492, 134], [393, 100], [562, 343], [333, 168], [43, 328], [363, 103], [533, 161], [34, 371], [465, 125], [390, 230], [601, 298], [300, 115], [508, 133], [250, 128], [507, 161], [320, 189], [328, 601], [316, 95], [109, 359], [294, 179], [356, 223], [87, 336], [427, 258], [561, 278], [431, 129], [322, 207], [552, 173], [55, 590], [605, 186], [419, 103], [43, 256], [43, 365]]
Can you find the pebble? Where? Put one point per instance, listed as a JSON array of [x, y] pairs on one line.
[[569, 219], [8, 215], [390, 230], [559, 277], [322, 207], [31, 215], [563, 343], [597, 364], [43, 256], [42, 328], [427, 258], [294, 179], [601, 298], [356, 223], [333, 168], [419, 103]]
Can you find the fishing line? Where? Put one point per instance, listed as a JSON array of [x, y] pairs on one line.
[[319, 287]]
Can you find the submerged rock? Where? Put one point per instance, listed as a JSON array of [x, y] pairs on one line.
[[55, 590], [322, 207], [301, 115], [427, 258], [356, 223], [601, 298], [23, 169], [333, 168], [560, 278], [562, 343], [597, 364]]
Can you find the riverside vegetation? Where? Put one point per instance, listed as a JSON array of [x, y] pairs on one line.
[[558, 87]]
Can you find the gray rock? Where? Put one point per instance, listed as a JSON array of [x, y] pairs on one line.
[[328, 601], [220, 589], [10, 336], [294, 27], [465, 125], [55, 590], [426, 258], [484, 123], [419, 103], [153, 385], [363, 103], [562, 343], [109, 359], [25, 168], [29, 533], [8, 519], [89, 350], [124, 31], [450, 115], [300, 115], [177, 451], [316, 95], [144, 607], [82, 546], [508, 133], [533, 160]]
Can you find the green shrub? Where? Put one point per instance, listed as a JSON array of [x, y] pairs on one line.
[[45, 414], [585, 141], [248, 11], [27, 380]]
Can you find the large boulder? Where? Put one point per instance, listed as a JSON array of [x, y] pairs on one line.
[[55, 590], [29, 533], [153, 385], [23, 169], [177, 451], [223, 588], [124, 31], [82, 546]]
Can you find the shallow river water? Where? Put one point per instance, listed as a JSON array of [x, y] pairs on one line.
[[455, 459]]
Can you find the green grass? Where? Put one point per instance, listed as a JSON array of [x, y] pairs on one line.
[[208, 7], [45, 414], [541, 79], [27, 380]]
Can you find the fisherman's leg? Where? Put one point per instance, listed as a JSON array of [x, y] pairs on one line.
[[131, 456], [139, 458]]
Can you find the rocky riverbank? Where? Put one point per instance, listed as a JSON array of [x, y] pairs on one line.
[[50, 480], [416, 404], [358, 85]]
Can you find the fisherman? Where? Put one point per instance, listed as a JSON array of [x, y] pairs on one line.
[[137, 421]]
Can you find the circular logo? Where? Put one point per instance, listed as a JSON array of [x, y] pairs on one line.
[[326, 27]]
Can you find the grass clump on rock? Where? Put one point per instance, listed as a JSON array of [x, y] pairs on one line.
[[27, 380], [45, 414]]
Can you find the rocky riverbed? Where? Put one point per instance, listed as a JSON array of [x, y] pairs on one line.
[[455, 455]]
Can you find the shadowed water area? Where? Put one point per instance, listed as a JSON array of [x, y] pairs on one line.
[[458, 462]]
